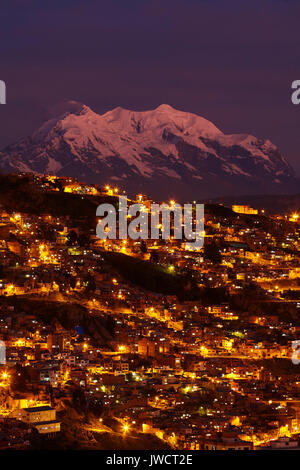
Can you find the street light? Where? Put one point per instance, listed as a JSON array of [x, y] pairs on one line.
[[125, 428]]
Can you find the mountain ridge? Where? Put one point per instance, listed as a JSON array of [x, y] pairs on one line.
[[164, 152]]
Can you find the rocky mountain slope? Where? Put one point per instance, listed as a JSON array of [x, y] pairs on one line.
[[162, 152]]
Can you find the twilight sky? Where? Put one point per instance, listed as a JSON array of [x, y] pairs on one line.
[[230, 61]]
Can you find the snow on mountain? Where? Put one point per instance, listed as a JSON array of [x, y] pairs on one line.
[[162, 151]]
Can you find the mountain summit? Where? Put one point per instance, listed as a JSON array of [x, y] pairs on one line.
[[163, 152]]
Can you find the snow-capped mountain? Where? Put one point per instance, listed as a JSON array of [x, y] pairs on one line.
[[162, 152]]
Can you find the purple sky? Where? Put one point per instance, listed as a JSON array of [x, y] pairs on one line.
[[230, 61]]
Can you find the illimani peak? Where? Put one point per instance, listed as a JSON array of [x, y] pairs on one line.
[[163, 152]]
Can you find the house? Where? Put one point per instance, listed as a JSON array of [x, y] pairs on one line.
[[43, 418]]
